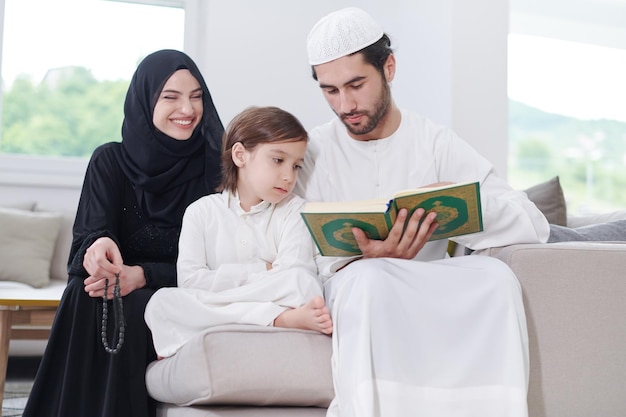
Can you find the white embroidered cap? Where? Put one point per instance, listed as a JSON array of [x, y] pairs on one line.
[[341, 33]]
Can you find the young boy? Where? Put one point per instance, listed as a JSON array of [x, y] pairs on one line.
[[245, 255]]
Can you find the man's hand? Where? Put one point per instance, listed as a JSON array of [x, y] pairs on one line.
[[398, 244]]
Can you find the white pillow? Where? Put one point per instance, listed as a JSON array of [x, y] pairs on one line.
[[27, 241], [58, 264], [575, 221]]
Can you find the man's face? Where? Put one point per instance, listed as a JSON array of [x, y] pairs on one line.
[[357, 93]]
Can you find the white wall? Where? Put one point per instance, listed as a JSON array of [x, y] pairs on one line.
[[479, 77], [451, 60], [54, 184], [451, 67]]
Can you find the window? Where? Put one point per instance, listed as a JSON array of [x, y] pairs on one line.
[[66, 66], [568, 118]]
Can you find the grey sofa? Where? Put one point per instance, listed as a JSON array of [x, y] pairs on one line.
[[575, 300], [574, 295]]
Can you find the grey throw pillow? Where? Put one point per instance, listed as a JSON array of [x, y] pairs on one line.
[[548, 197], [27, 241], [601, 232]]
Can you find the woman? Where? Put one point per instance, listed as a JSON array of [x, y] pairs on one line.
[[127, 225]]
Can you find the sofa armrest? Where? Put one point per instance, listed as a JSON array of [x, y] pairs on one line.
[[574, 297], [560, 257]]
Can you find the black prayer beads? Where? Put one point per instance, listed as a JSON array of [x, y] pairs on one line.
[[118, 311]]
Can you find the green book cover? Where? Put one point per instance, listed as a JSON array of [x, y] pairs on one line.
[[458, 210]]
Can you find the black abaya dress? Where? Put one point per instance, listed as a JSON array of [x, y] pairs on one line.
[[77, 378]]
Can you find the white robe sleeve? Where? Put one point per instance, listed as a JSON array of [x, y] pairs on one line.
[[509, 217], [294, 265], [196, 240], [209, 259]]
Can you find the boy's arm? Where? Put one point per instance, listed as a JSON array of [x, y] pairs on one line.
[[197, 249]]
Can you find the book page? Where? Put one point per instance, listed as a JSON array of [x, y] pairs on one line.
[[362, 206], [420, 190]]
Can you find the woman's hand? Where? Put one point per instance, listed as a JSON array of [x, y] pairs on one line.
[[399, 244], [103, 261]]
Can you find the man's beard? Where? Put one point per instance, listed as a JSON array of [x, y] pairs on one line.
[[371, 118]]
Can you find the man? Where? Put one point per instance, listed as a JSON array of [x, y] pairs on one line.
[[415, 334]]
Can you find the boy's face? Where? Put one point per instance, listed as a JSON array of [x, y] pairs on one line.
[[357, 93], [269, 172]]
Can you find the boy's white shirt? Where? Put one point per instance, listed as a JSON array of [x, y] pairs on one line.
[[222, 274], [222, 246]]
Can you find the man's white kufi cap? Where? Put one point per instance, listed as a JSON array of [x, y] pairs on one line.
[[341, 33]]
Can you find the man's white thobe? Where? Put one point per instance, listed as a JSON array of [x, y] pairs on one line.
[[433, 336]]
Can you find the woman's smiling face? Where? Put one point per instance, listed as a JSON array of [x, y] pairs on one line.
[[179, 108]]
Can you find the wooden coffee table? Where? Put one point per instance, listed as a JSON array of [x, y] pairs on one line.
[[25, 314]]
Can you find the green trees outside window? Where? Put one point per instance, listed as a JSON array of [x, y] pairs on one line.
[[589, 156], [69, 113]]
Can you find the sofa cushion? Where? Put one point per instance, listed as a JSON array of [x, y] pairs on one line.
[[58, 264], [548, 197], [22, 205], [18, 291], [574, 302], [246, 365], [575, 221], [27, 242], [601, 232], [169, 410]]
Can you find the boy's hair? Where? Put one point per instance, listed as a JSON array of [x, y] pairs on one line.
[[254, 126], [376, 55]]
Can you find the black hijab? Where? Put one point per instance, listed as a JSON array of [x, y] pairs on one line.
[[167, 173]]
